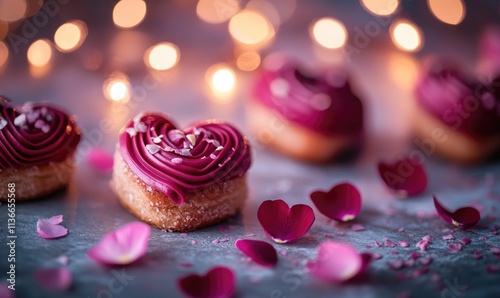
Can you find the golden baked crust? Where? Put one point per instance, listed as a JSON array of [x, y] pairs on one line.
[[292, 139], [37, 181], [201, 208]]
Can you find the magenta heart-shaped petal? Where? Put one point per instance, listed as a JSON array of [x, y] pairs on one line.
[[100, 159], [338, 262], [283, 224], [123, 246], [260, 252], [406, 177], [55, 279], [219, 282], [50, 228], [342, 202], [463, 218]]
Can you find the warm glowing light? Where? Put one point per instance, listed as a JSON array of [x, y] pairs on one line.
[[250, 27], [406, 36], [4, 54], [129, 13], [403, 69], [222, 81], [40, 53], [162, 56], [248, 61], [330, 33], [70, 36], [448, 11], [217, 11], [117, 88], [12, 10], [381, 7]]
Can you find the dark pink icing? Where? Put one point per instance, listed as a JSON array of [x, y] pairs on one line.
[[167, 160], [35, 134], [462, 103], [323, 103]]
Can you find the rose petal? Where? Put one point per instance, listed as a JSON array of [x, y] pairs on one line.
[[341, 203], [455, 247], [463, 218], [100, 159], [55, 279], [405, 177], [48, 230], [260, 252], [465, 241], [219, 282], [338, 262], [123, 246], [396, 264], [283, 224]]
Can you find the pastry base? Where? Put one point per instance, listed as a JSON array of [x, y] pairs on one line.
[[36, 181], [201, 208]]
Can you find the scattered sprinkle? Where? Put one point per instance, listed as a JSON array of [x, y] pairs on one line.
[[153, 148], [465, 241], [389, 243], [357, 227], [423, 244], [177, 160], [448, 237], [131, 131], [455, 247], [403, 243]]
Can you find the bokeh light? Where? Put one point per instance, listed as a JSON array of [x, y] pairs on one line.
[[406, 36], [448, 11], [4, 54], [162, 56], [267, 9], [117, 88], [40, 53], [33, 7], [12, 10], [381, 7], [129, 13], [217, 11], [251, 28], [329, 33], [248, 61], [222, 82], [70, 36]]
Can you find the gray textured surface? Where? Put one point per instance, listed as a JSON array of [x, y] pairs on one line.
[[384, 75]]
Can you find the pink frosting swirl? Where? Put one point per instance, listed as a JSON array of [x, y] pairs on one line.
[[460, 102], [177, 162], [323, 103], [35, 134]]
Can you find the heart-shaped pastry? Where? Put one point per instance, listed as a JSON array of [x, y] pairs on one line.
[[37, 144], [180, 168]]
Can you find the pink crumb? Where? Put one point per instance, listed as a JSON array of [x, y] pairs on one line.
[[448, 237], [465, 241], [357, 227], [455, 247], [402, 229], [404, 243], [193, 242]]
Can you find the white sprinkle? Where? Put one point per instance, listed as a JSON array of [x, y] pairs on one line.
[[153, 148], [219, 148], [168, 149], [213, 142], [39, 123], [131, 131], [192, 138], [279, 88], [140, 127], [184, 152], [203, 157], [3, 123], [177, 160], [46, 128], [233, 149], [157, 139], [213, 156], [20, 120], [32, 116]]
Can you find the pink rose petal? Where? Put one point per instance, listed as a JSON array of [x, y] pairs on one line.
[[55, 279], [338, 262], [448, 237], [260, 252], [50, 228], [463, 218], [283, 224], [219, 282], [455, 247], [123, 246], [404, 243], [405, 177], [465, 241], [426, 260], [423, 244], [341, 203], [396, 264], [100, 159]]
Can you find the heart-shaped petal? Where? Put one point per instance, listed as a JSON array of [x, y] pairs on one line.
[[219, 282], [463, 218], [55, 279], [338, 262], [342, 202], [283, 224], [405, 177], [50, 228], [260, 252], [176, 162], [123, 246], [100, 159]]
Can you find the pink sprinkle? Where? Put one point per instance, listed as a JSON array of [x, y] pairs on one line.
[[193, 242], [396, 265], [415, 255], [423, 244], [465, 241], [427, 237], [183, 234], [495, 250], [186, 265], [455, 247], [477, 254], [63, 260], [357, 227], [378, 244], [388, 242], [426, 260], [403, 243], [216, 241], [420, 271], [402, 229], [376, 256], [448, 237], [282, 252], [492, 268], [177, 160]]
